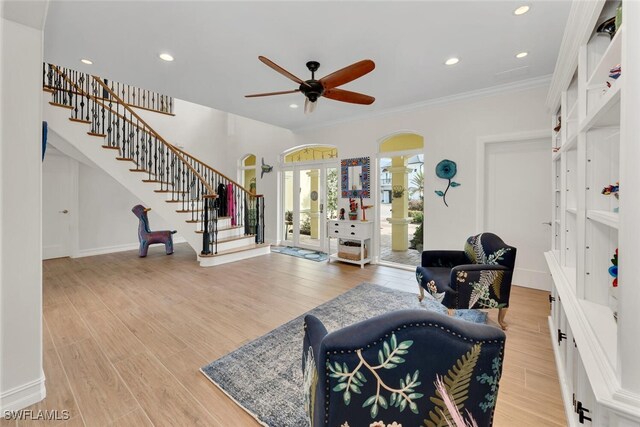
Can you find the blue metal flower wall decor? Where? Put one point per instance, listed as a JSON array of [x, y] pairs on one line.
[[446, 169]]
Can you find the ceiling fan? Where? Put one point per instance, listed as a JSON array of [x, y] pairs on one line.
[[326, 86]]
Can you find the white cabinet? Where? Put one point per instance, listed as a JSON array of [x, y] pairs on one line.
[[594, 325], [354, 241]]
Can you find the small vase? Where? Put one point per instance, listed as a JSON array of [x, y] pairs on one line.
[[353, 216]]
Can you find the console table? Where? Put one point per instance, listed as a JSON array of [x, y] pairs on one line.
[[360, 232]]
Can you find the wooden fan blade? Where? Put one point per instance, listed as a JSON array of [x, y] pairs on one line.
[[282, 71], [347, 74], [348, 96], [255, 95]]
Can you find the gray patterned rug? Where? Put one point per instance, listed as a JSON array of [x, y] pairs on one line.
[[300, 253], [264, 376]]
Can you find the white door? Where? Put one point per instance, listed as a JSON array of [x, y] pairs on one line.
[[305, 192], [57, 187], [517, 201]]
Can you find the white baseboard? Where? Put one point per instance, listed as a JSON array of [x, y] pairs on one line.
[[533, 279], [22, 396], [117, 248]]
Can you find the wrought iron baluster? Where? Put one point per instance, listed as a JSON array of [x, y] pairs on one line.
[[110, 141], [155, 158], [95, 118], [206, 242], [149, 154], [75, 98]]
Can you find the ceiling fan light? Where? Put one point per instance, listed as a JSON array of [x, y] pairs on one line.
[[309, 106]]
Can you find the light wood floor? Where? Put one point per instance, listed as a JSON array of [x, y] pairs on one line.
[[124, 337]]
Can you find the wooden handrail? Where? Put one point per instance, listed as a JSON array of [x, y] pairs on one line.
[[219, 173], [106, 99], [172, 147], [133, 114], [156, 134]]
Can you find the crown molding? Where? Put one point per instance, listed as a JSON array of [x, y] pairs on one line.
[[582, 18], [480, 93]]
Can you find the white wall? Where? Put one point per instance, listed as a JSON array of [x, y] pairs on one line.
[[201, 131], [21, 375], [450, 131], [105, 220]]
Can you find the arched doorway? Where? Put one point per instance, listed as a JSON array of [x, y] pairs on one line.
[[401, 162], [247, 172], [309, 195]]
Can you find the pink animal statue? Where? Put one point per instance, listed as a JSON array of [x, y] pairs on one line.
[[148, 237]]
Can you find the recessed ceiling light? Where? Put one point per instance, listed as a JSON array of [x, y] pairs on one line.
[[86, 61], [166, 57], [521, 54], [521, 10], [293, 105], [451, 61]]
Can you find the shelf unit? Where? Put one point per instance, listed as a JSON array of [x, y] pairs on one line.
[[360, 232], [595, 325]]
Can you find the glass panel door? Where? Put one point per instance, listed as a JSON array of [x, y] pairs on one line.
[[331, 209], [287, 200], [310, 220], [305, 211]]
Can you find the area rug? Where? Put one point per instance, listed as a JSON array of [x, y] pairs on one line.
[[300, 253], [264, 376]]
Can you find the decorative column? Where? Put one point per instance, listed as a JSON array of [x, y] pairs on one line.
[[314, 213], [400, 205]]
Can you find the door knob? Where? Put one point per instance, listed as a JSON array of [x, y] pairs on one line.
[[64, 211]]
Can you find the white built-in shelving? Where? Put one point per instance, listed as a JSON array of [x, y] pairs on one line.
[[595, 325]]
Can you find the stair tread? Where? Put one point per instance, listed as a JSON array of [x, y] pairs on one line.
[[234, 238], [235, 250], [57, 104], [233, 227]]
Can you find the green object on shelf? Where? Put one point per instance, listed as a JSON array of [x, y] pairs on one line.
[[619, 16]]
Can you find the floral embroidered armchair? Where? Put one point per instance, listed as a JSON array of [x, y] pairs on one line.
[[478, 277], [382, 372]]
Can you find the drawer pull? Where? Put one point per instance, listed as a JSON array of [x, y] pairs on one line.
[[353, 234], [336, 231], [353, 226]]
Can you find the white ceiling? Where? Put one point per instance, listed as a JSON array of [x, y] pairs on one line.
[[216, 47]]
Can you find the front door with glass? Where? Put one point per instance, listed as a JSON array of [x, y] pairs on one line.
[[309, 198]]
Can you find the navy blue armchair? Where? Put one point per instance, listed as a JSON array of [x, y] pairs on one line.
[[478, 277], [384, 369]]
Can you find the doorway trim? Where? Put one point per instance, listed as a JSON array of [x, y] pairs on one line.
[[481, 149], [377, 199], [296, 167]]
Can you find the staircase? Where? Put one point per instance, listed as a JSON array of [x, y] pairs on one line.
[[93, 116]]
